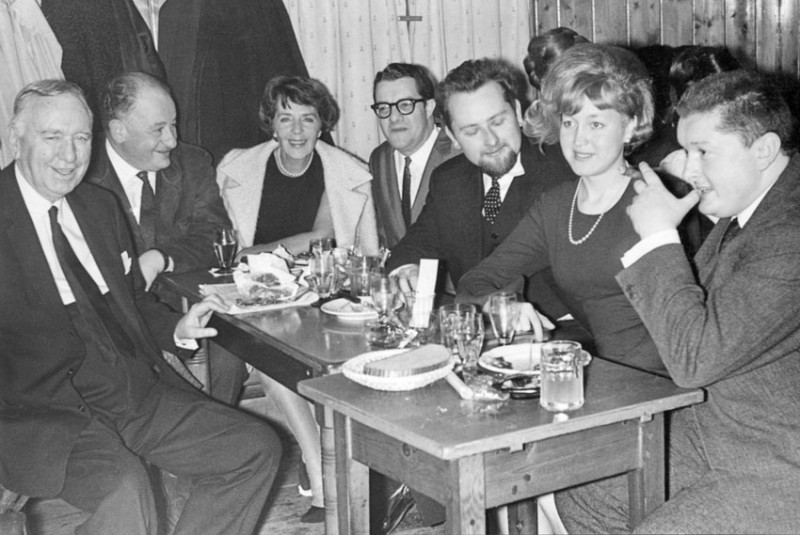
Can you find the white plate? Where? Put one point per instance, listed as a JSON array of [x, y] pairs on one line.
[[348, 311], [520, 356]]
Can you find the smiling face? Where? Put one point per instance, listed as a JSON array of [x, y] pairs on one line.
[[720, 165], [486, 127], [52, 143], [405, 133], [146, 135], [297, 128], [593, 140]]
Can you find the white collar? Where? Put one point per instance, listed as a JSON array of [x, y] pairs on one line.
[[123, 168], [37, 205]]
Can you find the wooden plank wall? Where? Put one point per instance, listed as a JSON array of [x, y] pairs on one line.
[[761, 33]]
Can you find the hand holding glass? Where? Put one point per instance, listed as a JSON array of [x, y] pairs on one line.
[[225, 246], [503, 310]]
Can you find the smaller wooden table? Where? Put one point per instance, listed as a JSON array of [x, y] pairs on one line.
[[471, 456]]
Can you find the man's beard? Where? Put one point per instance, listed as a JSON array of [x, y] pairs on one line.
[[500, 164]]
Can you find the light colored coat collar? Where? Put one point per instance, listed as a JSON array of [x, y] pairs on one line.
[[240, 176]]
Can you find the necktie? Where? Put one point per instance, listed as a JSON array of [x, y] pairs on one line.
[[91, 303], [406, 201], [730, 233], [147, 214], [491, 202]]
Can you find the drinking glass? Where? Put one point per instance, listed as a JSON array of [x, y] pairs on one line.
[[503, 312], [461, 328], [321, 246], [360, 269], [380, 290], [322, 274], [225, 246], [561, 376]]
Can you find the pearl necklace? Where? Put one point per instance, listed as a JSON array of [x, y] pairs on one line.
[[572, 240], [286, 172]]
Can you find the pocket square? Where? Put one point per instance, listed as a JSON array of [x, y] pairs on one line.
[[126, 261]]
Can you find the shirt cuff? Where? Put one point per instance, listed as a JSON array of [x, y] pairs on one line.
[[188, 344], [648, 244]]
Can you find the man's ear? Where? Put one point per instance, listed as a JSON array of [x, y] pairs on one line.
[[430, 107], [766, 148], [452, 137], [117, 130]]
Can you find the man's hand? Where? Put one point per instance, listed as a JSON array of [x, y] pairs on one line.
[[530, 318], [151, 263], [405, 277], [193, 324], [654, 208]]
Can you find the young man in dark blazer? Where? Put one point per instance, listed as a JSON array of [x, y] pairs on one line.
[[732, 329], [482, 112], [85, 397], [141, 157], [401, 166]]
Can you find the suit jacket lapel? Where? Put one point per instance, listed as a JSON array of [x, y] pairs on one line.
[[168, 194], [441, 151], [394, 209], [21, 235]]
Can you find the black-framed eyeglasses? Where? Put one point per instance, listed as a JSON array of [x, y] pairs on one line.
[[405, 106]]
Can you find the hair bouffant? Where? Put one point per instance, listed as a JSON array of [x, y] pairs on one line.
[[610, 77], [287, 90], [545, 49]]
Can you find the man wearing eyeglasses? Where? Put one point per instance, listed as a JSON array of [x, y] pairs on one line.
[[476, 199], [401, 166]]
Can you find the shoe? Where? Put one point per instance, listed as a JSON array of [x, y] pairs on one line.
[[303, 482], [400, 503], [314, 515]]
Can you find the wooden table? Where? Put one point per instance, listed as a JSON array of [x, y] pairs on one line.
[[471, 456]]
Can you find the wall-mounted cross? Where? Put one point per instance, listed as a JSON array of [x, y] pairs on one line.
[[408, 17]]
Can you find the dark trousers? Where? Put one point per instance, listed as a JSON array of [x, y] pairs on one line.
[[226, 374], [230, 458]]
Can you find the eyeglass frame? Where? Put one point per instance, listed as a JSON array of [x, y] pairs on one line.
[[396, 105]]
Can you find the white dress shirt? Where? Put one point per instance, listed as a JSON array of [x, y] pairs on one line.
[[131, 183], [419, 160], [38, 208]]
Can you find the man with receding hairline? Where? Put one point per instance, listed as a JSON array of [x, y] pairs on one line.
[[85, 397]]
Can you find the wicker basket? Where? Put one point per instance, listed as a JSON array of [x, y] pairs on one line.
[[353, 369]]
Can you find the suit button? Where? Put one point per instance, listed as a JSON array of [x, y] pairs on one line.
[[70, 372], [494, 235]]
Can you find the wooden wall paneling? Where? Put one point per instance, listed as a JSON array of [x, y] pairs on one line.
[[790, 37], [611, 22], [768, 35], [645, 22], [677, 22], [709, 22], [578, 15], [548, 15], [740, 30]]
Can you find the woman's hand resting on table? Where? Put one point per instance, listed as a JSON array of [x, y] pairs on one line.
[[530, 319]]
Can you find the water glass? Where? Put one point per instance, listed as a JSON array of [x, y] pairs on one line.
[[225, 246], [503, 310], [561, 376], [320, 246], [382, 294], [321, 275], [461, 329], [360, 269]]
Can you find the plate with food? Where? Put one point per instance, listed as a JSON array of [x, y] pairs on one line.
[[513, 359], [347, 310], [263, 294]]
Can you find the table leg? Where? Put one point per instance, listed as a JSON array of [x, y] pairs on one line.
[[329, 469], [466, 506], [647, 484]]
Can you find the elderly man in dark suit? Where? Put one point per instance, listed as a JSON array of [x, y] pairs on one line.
[[401, 166], [84, 395], [168, 191], [476, 199], [732, 329]]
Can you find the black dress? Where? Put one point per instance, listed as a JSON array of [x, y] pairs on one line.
[[289, 205]]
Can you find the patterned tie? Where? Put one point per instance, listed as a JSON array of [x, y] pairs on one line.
[[406, 201], [91, 303], [730, 233], [491, 202], [147, 214]]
